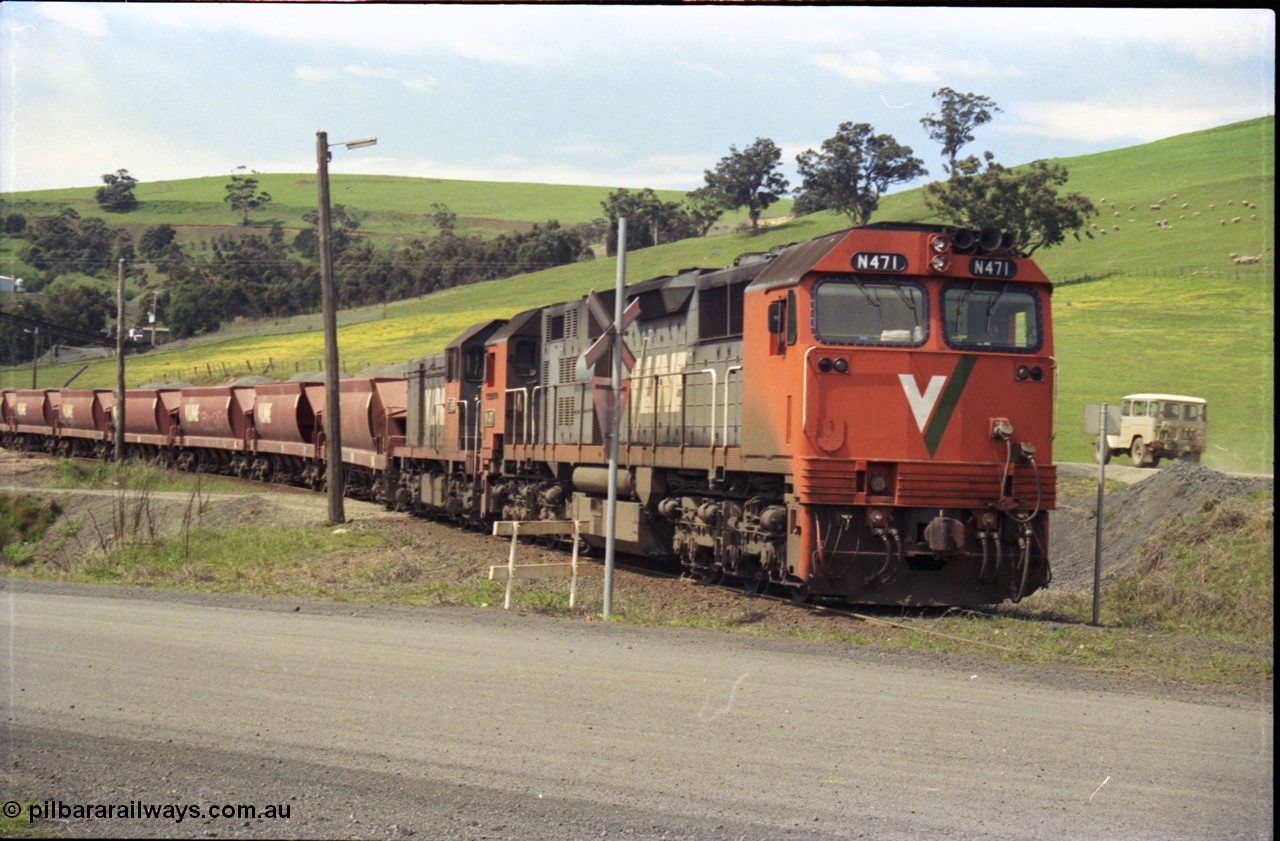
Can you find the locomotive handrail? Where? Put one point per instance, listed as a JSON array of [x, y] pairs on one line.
[[462, 423], [524, 408], [804, 393], [727, 373], [712, 372], [539, 431], [475, 438]]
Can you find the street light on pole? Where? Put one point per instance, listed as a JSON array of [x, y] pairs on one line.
[[334, 482]]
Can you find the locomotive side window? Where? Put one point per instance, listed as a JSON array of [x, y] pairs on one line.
[[473, 365], [991, 316], [869, 312], [524, 358]]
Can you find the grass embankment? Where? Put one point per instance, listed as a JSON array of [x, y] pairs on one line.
[[1198, 610]]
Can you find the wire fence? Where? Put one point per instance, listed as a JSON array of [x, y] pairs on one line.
[[221, 371], [1246, 271]]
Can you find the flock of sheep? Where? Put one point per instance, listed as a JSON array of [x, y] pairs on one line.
[[1164, 224]]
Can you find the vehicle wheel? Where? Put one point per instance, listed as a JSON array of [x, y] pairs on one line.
[[1139, 453]]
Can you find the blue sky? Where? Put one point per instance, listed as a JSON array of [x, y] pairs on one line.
[[635, 96]]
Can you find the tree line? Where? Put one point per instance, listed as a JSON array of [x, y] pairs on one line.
[[257, 276]]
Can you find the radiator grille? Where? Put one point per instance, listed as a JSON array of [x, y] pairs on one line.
[[926, 485], [566, 411], [568, 366]]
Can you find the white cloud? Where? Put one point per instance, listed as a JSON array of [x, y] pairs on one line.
[[421, 83], [367, 72], [83, 18], [586, 145], [862, 67], [870, 68], [703, 68], [1096, 122], [314, 74]]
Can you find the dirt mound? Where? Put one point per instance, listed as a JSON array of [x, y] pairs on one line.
[[1130, 515]]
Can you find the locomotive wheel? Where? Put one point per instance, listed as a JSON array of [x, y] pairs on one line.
[[708, 575], [800, 593], [753, 581]]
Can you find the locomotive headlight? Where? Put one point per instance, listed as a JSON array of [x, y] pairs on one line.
[[938, 263], [1022, 373], [875, 517], [824, 364], [987, 520], [878, 484], [940, 243], [841, 365]]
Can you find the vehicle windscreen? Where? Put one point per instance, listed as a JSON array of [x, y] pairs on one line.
[[992, 316], [869, 312]]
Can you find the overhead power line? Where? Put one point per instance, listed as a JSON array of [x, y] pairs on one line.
[[59, 330]]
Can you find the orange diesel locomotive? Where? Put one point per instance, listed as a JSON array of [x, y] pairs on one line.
[[866, 416]]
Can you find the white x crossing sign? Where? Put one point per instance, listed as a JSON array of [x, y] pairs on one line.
[[600, 386], [587, 361]]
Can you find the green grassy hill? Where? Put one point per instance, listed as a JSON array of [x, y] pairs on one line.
[[1141, 307], [389, 207]]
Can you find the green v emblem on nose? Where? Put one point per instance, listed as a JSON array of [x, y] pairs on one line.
[[938, 399]]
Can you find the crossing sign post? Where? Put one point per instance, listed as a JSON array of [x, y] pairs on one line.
[[610, 396]]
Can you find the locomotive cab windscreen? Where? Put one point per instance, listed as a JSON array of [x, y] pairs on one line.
[[985, 316], [869, 312]]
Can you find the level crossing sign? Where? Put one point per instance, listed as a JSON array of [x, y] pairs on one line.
[[611, 333]]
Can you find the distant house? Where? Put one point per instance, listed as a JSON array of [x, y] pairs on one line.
[[10, 284]]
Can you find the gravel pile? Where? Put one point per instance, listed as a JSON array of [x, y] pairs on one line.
[[1131, 514]]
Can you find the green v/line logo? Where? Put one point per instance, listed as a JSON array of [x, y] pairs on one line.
[[923, 403]]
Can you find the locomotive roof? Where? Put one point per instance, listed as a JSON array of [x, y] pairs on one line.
[[515, 325], [484, 327], [787, 268]]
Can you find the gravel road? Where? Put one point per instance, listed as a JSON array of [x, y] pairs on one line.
[[375, 721]]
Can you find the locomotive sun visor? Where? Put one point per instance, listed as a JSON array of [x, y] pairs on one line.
[[791, 264], [517, 324], [486, 328]]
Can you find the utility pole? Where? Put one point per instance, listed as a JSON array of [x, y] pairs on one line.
[[334, 481], [120, 362], [333, 478]]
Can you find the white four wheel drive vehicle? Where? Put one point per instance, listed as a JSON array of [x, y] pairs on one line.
[[1156, 426]]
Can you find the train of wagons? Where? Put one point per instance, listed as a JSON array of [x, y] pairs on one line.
[[866, 416]]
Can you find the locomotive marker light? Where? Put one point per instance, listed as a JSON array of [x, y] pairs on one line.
[[332, 403]]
